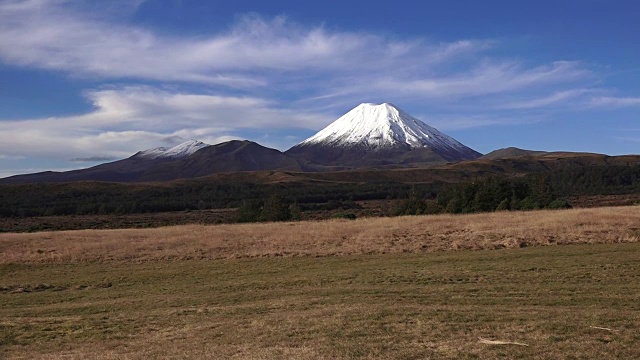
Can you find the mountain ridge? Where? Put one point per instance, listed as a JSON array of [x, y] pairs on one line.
[[230, 156]]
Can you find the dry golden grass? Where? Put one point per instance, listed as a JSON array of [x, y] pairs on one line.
[[276, 292], [326, 238], [577, 302]]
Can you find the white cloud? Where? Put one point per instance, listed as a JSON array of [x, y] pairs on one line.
[[557, 98], [627, 139], [129, 119], [54, 35], [462, 122], [485, 79], [319, 71], [11, 157], [615, 102], [94, 159], [270, 56]]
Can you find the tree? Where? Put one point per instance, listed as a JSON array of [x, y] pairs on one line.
[[559, 204], [542, 191], [504, 205], [249, 211], [295, 212], [416, 205], [275, 209]]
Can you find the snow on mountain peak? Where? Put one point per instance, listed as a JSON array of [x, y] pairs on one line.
[[379, 127], [177, 152]]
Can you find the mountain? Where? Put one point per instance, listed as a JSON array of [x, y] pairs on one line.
[[177, 152], [380, 135], [187, 160], [512, 152], [231, 156]]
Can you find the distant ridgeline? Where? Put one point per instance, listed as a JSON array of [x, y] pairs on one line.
[[484, 193]]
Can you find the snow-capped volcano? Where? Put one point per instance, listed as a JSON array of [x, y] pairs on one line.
[[380, 126], [384, 134], [177, 152]]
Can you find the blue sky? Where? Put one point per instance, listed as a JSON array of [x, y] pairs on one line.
[[84, 82]]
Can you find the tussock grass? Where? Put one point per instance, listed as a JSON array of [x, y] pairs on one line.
[[416, 234]]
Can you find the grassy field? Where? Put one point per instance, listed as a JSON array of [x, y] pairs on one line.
[[414, 234], [87, 299]]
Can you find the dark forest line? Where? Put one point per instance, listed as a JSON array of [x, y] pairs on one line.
[[489, 192]]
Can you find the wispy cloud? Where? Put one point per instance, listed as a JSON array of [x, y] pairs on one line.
[[11, 157], [627, 139], [486, 79], [93, 159], [557, 98], [129, 119], [53, 35], [463, 122], [615, 102], [258, 73], [266, 56]]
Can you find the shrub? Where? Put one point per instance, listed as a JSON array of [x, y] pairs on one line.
[[348, 216], [559, 204], [275, 209]]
